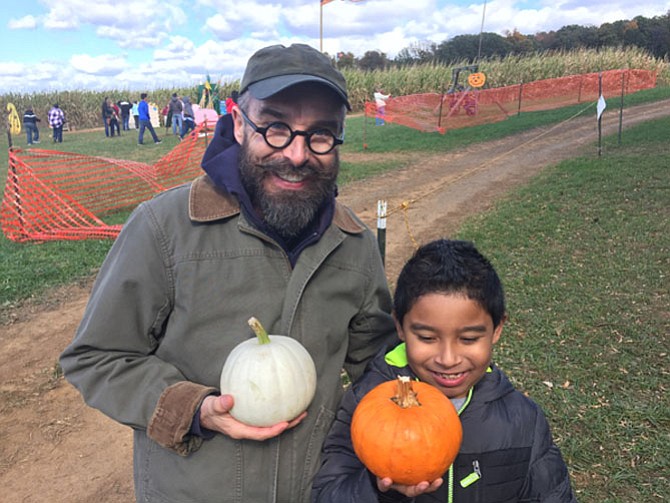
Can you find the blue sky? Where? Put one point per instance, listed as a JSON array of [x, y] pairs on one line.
[[146, 44]]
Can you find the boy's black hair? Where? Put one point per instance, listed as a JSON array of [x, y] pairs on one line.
[[450, 266]]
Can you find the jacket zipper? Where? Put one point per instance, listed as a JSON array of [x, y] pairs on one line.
[[451, 468]]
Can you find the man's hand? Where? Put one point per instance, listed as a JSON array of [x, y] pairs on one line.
[[410, 491], [214, 416]]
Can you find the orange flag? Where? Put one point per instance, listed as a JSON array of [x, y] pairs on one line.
[[324, 2]]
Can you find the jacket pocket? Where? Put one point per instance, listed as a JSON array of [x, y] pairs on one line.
[[491, 477]]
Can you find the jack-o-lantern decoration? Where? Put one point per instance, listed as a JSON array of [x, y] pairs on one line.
[[476, 79]]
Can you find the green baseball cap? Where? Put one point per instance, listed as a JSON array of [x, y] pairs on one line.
[[275, 68]]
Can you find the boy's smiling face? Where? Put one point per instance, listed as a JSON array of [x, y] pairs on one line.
[[449, 341]]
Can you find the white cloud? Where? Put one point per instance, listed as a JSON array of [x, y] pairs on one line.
[[180, 48], [131, 23], [150, 36], [12, 69], [24, 23], [222, 34], [103, 65], [232, 19], [59, 18]]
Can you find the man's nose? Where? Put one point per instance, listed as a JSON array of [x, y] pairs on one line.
[[297, 151]]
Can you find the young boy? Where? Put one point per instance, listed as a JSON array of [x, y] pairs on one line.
[[449, 309]]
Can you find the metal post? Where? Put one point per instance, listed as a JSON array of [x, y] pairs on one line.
[[439, 115], [623, 80], [600, 130], [365, 125], [321, 26], [381, 228]]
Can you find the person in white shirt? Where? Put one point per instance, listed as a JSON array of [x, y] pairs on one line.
[[380, 102]]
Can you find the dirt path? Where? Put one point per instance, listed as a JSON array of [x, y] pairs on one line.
[[53, 448]]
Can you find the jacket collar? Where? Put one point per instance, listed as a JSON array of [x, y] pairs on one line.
[[392, 362], [209, 202]]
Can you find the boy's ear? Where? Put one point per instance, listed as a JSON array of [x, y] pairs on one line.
[[497, 331], [398, 327]]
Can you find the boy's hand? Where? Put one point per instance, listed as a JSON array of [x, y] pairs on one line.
[[410, 491], [214, 416]]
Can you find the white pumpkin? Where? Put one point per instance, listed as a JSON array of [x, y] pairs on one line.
[[272, 378]]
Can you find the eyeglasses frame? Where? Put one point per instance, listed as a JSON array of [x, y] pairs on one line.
[[307, 134]]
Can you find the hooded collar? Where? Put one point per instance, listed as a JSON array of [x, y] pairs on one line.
[[492, 386]]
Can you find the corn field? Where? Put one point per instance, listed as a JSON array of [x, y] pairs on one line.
[[82, 108], [510, 70]]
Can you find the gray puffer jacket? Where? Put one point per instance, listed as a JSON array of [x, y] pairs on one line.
[[176, 105], [172, 300], [507, 454]]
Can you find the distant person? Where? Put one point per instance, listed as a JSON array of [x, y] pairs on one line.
[[449, 310], [380, 103], [188, 123], [145, 120], [114, 120], [167, 116], [56, 120], [125, 106], [176, 109], [136, 114], [30, 121], [106, 112], [231, 101]]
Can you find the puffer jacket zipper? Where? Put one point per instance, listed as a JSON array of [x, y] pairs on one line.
[[451, 468]]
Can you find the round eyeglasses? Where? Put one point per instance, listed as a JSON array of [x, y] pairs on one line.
[[280, 135]]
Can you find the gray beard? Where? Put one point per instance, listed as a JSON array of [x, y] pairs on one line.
[[287, 214]]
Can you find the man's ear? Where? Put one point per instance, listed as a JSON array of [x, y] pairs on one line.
[[497, 331], [238, 124], [398, 327]]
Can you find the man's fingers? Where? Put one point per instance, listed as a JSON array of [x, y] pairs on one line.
[[225, 403]]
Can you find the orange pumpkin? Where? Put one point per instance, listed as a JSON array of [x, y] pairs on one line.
[[407, 431]]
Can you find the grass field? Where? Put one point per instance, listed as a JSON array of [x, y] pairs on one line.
[[30, 269], [584, 253], [82, 107]]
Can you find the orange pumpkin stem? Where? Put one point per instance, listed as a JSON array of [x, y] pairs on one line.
[[405, 396]]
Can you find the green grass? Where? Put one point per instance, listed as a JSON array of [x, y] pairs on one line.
[[60, 263], [584, 252], [394, 138], [29, 269]]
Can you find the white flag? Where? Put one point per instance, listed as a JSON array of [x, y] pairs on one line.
[[601, 106]]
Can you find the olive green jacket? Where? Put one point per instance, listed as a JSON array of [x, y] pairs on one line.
[[172, 300]]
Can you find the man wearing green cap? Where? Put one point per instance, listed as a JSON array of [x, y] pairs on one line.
[[261, 234]]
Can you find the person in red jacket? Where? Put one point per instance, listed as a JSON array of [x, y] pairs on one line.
[[114, 120], [231, 101]]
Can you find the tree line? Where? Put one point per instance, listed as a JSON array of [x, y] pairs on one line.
[[650, 34]]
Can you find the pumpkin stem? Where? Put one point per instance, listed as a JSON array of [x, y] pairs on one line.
[[405, 396], [258, 329]]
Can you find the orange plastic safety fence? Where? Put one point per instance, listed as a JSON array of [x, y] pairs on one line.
[[440, 112], [53, 195]]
